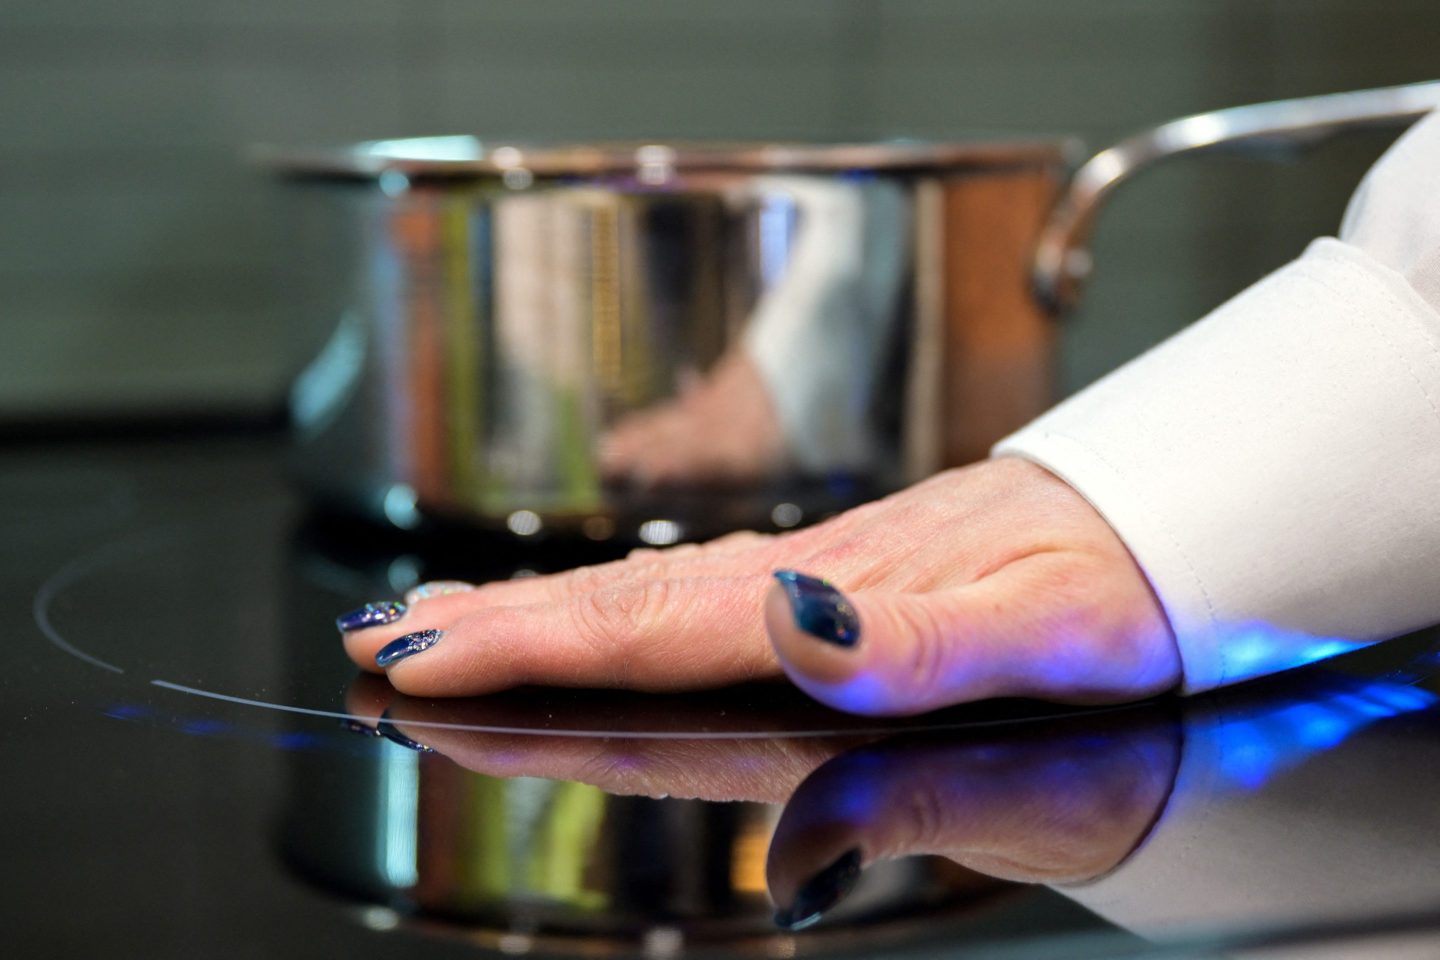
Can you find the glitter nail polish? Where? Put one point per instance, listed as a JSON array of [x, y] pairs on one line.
[[371, 615], [819, 609], [351, 725], [388, 730], [407, 646]]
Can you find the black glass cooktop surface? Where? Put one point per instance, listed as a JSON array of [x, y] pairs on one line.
[[192, 767]]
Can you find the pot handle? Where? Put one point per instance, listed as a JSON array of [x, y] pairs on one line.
[[1062, 258]]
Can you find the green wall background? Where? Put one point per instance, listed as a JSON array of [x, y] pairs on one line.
[[137, 270]]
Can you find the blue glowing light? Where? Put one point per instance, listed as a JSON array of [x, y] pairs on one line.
[[1255, 649], [1256, 746], [297, 741], [864, 694], [861, 791], [204, 727], [1250, 762]]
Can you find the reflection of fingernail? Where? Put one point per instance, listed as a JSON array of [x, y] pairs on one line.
[[389, 731], [407, 646], [819, 609], [355, 726], [437, 588], [821, 892], [371, 615]]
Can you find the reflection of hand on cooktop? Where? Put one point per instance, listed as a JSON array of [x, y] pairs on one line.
[[1046, 802], [629, 752], [1060, 801], [1052, 804]]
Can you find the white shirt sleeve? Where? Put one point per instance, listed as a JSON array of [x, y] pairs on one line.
[[1275, 468], [1259, 833], [816, 332]]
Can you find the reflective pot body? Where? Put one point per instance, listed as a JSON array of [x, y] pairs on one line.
[[656, 343], [652, 342]]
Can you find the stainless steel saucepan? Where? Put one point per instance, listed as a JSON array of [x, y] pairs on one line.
[[653, 342]]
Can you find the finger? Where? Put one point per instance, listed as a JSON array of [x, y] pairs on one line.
[[1052, 625], [736, 554], [650, 635], [362, 635], [1044, 805], [758, 770], [366, 700], [729, 555], [367, 697], [437, 588]]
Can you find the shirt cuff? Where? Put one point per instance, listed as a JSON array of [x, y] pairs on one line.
[[1274, 468]]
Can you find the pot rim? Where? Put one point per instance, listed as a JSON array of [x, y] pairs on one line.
[[465, 157]]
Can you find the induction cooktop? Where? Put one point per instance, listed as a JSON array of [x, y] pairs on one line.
[[193, 766]]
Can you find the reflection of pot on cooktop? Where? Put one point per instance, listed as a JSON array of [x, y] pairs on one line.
[[570, 867], [193, 701], [1147, 814]]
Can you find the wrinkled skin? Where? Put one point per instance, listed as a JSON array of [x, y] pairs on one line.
[[991, 580]]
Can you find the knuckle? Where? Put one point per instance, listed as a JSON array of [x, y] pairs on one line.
[[620, 612], [613, 624]]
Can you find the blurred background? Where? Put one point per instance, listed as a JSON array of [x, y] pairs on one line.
[[139, 275]]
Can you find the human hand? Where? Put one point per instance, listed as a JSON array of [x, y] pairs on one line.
[[992, 580]]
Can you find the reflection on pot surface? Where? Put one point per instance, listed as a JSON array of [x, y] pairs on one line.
[[659, 342], [668, 352]]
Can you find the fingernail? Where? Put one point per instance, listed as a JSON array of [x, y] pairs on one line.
[[821, 892], [352, 725], [819, 609], [371, 615], [407, 646], [437, 588], [389, 732]]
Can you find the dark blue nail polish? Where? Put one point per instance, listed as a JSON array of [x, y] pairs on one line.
[[351, 725], [819, 609], [371, 615], [821, 892], [407, 646], [387, 729]]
